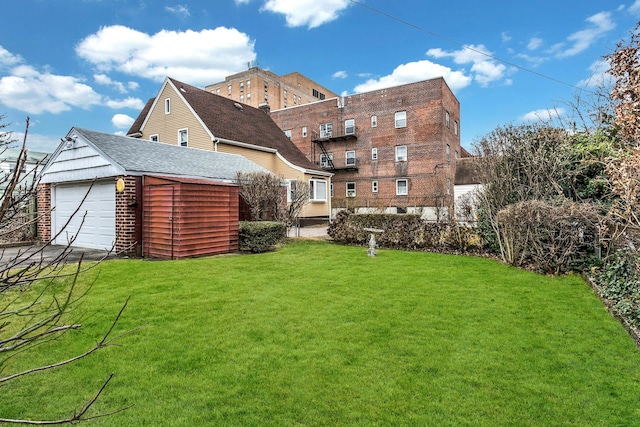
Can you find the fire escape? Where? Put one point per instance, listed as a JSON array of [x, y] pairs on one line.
[[325, 137]]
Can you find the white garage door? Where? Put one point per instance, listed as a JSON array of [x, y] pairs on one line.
[[93, 224]]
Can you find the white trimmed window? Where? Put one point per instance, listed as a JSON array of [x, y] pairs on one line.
[[217, 91], [448, 153], [248, 97], [318, 190], [241, 85], [448, 186], [167, 106], [401, 119], [455, 127], [153, 137], [229, 90], [326, 130], [183, 137], [401, 153], [374, 154], [304, 131], [374, 186], [242, 97], [374, 121], [447, 119], [326, 160], [291, 186], [248, 84], [350, 158], [351, 189], [402, 187], [349, 127]]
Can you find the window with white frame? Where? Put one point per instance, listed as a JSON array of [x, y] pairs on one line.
[[241, 85], [349, 127], [401, 153], [402, 187], [455, 127], [229, 90], [350, 158], [288, 133], [448, 152], [248, 97], [326, 130], [153, 137], [183, 137], [331, 189], [291, 186], [167, 106], [217, 91], [351, 189], [248, 84], [242, 97], [318, 190], [447, 119], [374, 186], [374, 153], [374, 121], [285, 93], [326, 160], [448, 186], [304, 131], [401, 119], [266, 97]]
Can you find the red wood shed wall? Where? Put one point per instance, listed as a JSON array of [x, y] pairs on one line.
[[188, 218]]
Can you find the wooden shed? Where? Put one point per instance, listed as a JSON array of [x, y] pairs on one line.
[[187, 217]]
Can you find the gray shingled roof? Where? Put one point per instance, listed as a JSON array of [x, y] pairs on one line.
[[139, 156]]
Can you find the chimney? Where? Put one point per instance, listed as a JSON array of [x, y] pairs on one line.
[[266, 108]]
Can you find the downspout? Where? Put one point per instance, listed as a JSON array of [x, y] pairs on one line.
[[215, 143]]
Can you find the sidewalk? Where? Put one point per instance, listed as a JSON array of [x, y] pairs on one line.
[[312, 232]]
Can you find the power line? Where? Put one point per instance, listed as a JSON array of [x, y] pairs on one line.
[[464, 46]]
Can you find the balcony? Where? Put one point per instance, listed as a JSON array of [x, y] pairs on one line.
[[334, 136], [330, 165]]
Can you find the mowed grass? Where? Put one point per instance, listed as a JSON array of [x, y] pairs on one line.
[[318, 334]]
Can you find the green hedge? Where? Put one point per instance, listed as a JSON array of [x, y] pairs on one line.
[[404, 231], [260, 236]]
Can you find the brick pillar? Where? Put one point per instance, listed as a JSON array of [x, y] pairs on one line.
[[127, 216], [44, 212]]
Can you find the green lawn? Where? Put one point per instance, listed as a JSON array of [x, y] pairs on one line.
[[320, 334]]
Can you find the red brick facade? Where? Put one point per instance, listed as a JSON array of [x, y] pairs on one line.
[[432, 124], [128, 216], [44, 212]]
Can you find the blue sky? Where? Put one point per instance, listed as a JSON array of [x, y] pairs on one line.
[[94, 63]]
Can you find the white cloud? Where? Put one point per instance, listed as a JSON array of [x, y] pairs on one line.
[[484, 69], [599, 77], [180, 10], [635, 8], [311, 13], [416, 71], [340, 74], [29, 90], [196, 57], [543, 115], [38, 142], [242, 1], [505, 37], [103, 79], [599, 24], [133, 103], [7, 59], [122, 121], [534, 43]]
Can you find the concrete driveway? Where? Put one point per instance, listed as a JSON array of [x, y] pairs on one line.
[[36, 252]]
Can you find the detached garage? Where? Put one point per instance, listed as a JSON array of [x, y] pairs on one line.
[[104, 191]]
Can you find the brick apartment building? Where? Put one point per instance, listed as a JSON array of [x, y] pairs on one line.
[[257, 87], [391, 150]]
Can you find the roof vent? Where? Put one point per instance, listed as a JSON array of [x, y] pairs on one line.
[[182, 89], [238, 106]]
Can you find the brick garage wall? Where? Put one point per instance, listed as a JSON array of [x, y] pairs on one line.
[[44, 212], [428, 171], [128, 208]]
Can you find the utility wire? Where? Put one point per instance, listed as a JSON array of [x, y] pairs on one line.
[[448, 40]]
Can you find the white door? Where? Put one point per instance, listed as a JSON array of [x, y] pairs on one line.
[[93, 225]]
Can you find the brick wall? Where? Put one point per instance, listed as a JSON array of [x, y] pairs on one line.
[[128, 208], [428, 170], [44, 212]]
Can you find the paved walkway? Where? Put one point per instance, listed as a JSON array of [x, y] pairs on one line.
[[313, 232]]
